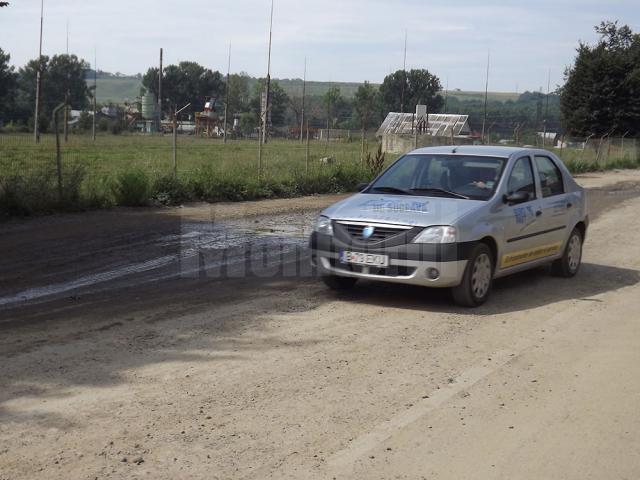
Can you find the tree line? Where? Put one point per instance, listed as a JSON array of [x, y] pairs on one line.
[[601, 94]]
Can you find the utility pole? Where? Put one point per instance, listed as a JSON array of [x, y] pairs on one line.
[[404, 73], [67, 95], [546, 112], [160, 91], [95, 93], [226, 101], [175, 137], [446, 96], [36, 116], [265, 129], [486, 97], [307, 151], [304, 92], [58, 154]]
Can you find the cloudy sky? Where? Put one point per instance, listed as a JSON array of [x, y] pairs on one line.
[[344, 40]]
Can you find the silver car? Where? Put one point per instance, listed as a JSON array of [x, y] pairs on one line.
[[455, 217]]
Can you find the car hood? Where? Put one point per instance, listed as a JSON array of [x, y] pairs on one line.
[[401, 209]]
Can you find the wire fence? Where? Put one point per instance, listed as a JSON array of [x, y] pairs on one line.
[[90, 172], [110, 154], [135, 169]]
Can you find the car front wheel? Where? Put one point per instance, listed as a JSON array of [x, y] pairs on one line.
[[477, 280]]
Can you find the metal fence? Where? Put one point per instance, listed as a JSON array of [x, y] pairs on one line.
[[85, 170]]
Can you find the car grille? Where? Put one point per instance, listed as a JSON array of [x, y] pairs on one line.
[[380, 233]]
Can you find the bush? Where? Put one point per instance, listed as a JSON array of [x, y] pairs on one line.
[[169, 190], [375, 163], [103, 125], [132, 188], [28, 194], [37, 192], [116, 128]]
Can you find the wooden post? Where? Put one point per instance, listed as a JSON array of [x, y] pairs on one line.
[[58, 153], [307, 152], [175, 143], [260, 150]]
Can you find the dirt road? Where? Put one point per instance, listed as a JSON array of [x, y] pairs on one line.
[[195, 343]]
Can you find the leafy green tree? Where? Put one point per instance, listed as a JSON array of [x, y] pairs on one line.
[[238, 93], [367, 105], [602, 89], [279, 101], [187, 82], [8, 85], [85, 122], [248, 122], [332, 101], [420, 88], [60, 74]]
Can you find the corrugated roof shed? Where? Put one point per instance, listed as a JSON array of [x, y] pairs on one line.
[[438, 125]]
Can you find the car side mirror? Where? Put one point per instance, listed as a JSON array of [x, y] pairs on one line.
[[362, 187], [516, 198]]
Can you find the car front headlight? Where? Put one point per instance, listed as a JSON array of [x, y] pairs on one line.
[[437, 235], [323, 225]]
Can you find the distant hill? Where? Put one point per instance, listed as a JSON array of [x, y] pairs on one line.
[[118, 88]]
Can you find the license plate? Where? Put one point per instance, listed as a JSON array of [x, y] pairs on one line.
[[368, 259]]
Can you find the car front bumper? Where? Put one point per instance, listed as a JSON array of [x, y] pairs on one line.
[[412, 264]]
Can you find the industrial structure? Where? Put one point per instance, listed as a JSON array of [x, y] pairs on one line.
[[208, 122], [401, 132]]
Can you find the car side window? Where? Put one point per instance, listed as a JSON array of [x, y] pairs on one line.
[[521, 178], [550, 177]]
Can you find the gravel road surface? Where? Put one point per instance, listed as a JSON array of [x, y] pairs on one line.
[[196, 343]]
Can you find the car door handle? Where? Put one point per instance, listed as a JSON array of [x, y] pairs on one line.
[[539, 213], [569, 205]]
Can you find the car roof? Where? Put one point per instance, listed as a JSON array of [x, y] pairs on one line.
[[484, 150]]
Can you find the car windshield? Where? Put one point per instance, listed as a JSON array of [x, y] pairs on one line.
[[454, 176]]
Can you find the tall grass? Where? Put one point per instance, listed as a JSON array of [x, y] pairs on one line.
[[137, 170]]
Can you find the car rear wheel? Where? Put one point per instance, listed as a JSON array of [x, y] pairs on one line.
[[339, 283], [477, 280], [569, 265]]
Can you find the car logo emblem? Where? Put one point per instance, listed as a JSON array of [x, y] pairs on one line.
[[367, 232]]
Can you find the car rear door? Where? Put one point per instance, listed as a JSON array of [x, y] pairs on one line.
[[521, 222], [555, 203]]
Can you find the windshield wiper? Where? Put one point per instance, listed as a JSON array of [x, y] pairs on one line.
[[440, 190], [393, 190]]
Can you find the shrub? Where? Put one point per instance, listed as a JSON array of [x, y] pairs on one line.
[[132, 188], [169, 190], [116, 128], [375, 163]]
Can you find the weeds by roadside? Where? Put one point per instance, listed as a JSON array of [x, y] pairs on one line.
[[37, 192], [103, 176]]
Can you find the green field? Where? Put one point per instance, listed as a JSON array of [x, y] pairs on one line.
[[95, 174], [117, 89], [479, 96], [139, 170]]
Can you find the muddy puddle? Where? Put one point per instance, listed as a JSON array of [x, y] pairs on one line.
[[230, 248]]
